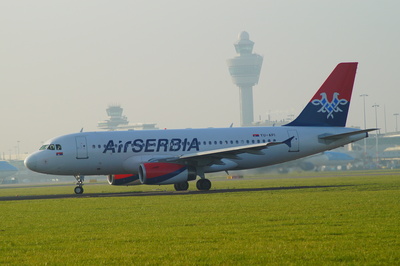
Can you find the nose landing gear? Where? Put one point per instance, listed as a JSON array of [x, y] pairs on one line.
[[79, 183]]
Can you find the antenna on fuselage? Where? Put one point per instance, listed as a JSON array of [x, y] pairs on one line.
[[81, 130]]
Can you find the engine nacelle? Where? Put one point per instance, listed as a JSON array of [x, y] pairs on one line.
[[127, 180], [165, 173], [307, 166]]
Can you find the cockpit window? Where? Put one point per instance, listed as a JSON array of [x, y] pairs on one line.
[[51, 147], [44, 147]]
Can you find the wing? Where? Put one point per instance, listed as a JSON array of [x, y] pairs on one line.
[[215, 156], [231, 152]]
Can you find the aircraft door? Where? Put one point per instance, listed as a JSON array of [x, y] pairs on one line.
[[81, 148], [295, 141]]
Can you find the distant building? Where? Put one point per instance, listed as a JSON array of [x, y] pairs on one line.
[[245, 71], [117, 121], [388, 146]]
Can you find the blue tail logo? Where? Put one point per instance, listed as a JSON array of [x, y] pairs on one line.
[[330, 107]]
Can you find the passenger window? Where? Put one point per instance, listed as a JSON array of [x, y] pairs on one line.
[[51, 147], [58, 147]]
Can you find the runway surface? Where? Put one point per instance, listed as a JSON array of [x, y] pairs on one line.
[[153, 193]]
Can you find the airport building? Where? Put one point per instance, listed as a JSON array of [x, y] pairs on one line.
[[117, 121], [383, 146], [245, 72]]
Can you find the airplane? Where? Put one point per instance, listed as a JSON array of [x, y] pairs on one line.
[[317, 161], [328, 158], [7, 169], [161, 157]]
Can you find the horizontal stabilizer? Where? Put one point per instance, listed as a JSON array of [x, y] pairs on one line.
[[344, 135]]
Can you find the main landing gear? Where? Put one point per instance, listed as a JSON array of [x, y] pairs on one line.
[[181, 186], [202, 184], [79, 183]]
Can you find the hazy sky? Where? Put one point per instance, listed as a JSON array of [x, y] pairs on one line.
[[63, 62]]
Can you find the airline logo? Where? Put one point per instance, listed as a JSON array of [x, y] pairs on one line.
[[152, 145], [329, 107]]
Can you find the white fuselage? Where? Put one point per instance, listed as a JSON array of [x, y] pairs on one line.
[[121, 152]]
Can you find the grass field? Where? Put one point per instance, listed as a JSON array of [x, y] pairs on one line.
[[343, 219]]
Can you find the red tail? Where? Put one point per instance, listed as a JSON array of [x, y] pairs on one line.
[[341, 81], [330, 105]]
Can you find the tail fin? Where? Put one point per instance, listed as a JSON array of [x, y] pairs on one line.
[[330, 105]]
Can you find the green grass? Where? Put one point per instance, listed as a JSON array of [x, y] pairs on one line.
[[343, 220]]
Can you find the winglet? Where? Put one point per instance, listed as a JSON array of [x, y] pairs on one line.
[[330, 105], [288, 142]]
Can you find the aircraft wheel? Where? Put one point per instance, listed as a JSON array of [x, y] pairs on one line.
[[203, 184], [78, 190], [181, 186]]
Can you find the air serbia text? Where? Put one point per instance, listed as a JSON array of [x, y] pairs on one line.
[[152, 145]]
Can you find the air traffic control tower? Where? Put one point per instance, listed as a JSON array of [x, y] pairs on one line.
[[245, 71]]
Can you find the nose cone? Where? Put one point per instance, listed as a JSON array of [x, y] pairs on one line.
[[31, 162]]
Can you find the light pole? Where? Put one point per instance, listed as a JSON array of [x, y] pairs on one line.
[[376, 134], [365, 124], [17, 149], [396, 115]]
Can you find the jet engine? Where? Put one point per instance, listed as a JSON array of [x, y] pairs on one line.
[[307, 166], [126, 180], [165, 173]]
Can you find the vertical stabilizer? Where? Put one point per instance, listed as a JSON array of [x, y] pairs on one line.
[[330, 105]]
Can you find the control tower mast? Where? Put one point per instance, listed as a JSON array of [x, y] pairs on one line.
[[245, 71]]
